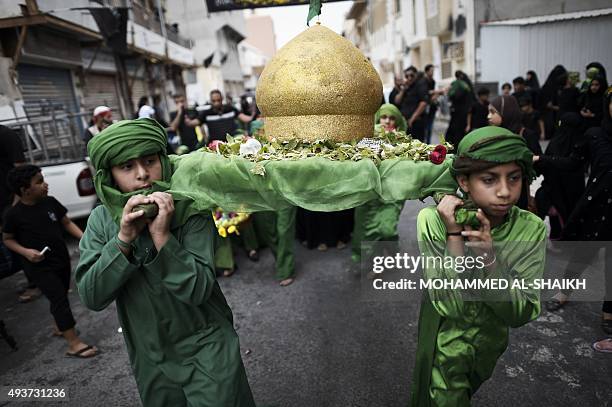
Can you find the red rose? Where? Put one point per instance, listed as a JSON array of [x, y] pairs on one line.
[[438, 155]]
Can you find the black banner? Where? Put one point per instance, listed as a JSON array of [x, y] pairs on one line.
[[226, 5]]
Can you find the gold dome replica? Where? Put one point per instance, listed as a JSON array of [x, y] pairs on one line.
[[319, 86]]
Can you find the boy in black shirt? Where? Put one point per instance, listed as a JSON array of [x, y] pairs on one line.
[[33, 229]]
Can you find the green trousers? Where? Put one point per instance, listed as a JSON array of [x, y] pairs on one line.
[[276, 230]]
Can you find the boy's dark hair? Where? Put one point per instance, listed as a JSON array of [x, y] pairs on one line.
[[428, 67], [525, 100], [212, 92], [506, 85], [483, 91], [519, 79], [21, 177]]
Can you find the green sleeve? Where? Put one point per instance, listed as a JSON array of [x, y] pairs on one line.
[[517, 306], [431, 234], [186, 268], [103, 269]]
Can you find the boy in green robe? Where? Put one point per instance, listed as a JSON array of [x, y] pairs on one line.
[[160, 271], [460, 341], [377, 221]]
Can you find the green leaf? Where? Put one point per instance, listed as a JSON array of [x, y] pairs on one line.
[[313, 10]]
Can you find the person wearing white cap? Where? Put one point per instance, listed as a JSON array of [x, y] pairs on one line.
[[146, 112], [102, 118]]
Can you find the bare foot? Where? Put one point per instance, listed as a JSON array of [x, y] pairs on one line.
[[322, 247], [605, 345], [286, 282], [341, 245], [228, 272]]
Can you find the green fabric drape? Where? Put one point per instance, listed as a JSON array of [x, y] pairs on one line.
[[200, 181], [208, 180]]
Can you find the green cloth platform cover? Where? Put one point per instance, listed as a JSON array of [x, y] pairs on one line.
[[316, 183]]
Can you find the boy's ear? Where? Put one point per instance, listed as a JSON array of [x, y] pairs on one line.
[[462, 180]]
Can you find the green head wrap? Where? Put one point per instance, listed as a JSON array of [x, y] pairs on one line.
[[123, 141], [391, 110], [490, 146]]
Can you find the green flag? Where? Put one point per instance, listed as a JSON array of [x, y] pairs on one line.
[[313, 10]]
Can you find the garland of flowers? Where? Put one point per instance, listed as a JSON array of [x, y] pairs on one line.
[[228, 222], [382, 146]]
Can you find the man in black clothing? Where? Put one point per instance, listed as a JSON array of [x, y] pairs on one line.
[[477, 117], [187, 133], [412, 100], [220, 119], [433, 101], [396, 89]]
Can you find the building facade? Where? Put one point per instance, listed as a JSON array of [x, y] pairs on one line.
[[59, 60], [395, 34], [215, 39]]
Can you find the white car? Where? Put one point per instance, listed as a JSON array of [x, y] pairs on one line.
[[72, 185]]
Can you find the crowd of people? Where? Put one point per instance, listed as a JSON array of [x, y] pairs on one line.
[[162, 271]]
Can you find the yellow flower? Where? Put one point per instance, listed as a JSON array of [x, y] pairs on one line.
[[222, 232], [233, 229]]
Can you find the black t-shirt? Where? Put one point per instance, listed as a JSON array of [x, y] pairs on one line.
[[220, 123], [37, 226], [479, 115], [11, 152], [188, 134], [415, 94]]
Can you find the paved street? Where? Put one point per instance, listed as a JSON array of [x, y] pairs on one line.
[[315, 343]]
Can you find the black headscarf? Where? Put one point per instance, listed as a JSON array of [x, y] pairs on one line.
[[550, 87], [568, 134], [594, 101], [533, 82], [509, 110]]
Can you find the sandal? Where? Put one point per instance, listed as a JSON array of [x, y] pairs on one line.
[[554, 304], [598, 348], [79, 353], [606, 326]]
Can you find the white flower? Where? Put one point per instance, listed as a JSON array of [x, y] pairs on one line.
[[250, 147]]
